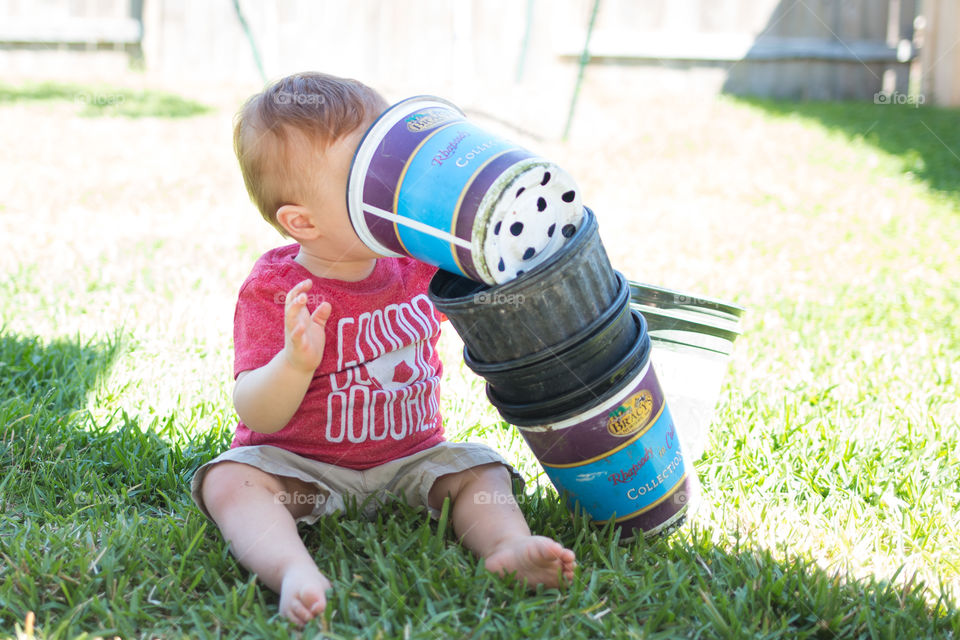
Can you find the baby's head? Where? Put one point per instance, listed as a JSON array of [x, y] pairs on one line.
[[295, 141]]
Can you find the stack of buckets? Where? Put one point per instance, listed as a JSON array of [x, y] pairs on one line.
[[567, 361], [545, 319]]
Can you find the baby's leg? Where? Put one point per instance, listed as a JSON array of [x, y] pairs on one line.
[[489, 522], [256, 512]]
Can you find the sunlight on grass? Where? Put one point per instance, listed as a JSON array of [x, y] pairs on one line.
[[921, 143], [100, 101]]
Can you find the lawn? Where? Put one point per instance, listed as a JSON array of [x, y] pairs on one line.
[[831, 480]]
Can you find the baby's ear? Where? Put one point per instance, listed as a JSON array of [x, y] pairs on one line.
[[297, 222]]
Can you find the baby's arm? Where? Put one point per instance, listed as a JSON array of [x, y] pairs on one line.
[[266, 398]]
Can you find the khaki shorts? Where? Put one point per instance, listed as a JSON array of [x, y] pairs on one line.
[[407, 479]]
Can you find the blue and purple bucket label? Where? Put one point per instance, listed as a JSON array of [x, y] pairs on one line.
[[427, 183], [621, 460]]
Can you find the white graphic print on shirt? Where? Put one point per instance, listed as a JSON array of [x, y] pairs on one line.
[[384, 384]]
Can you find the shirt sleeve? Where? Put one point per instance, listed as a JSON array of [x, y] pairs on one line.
[[425, 273], [257, 325]]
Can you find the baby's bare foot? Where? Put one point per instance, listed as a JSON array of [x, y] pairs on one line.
[[536, 559], [303, 594]]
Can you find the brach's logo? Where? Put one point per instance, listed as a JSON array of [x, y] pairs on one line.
[[632, 415], [429, 119]]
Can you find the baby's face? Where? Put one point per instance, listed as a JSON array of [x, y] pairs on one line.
[[328, 172]]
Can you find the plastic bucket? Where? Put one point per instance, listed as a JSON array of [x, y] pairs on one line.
[[620, 459], [581, 396], [672, 300], [578, 362], [427, 183], [542, 308], [692, 338]]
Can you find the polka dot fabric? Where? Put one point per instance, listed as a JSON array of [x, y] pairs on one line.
[[533, 217]]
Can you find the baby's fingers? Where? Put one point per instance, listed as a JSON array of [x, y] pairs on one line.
[[322, 313], [295, 331], [297, 292], [296, 300]]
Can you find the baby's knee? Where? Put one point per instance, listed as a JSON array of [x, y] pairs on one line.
[[492, 473], [484, 476], [226, 481]]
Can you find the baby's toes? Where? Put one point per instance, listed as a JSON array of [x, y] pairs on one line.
[[546, 551], [296, 613], [313, 600], [307, 604], [303, 595]]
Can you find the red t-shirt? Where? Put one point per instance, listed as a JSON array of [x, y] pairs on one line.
[[375, 396]]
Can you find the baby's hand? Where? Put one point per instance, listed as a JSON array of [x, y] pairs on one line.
[[304, 332]]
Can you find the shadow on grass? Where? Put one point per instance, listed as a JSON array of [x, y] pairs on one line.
[[58, 373], [127, 554], [43, 420], [688, 585], [92, 507], [106, 101], [124, 552], [400, 574], [925, 140]]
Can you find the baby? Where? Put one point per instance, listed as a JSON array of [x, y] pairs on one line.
[[337, 373]]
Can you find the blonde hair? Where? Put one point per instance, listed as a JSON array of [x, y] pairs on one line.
[[321, 107]]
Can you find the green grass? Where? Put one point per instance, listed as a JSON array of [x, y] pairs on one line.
[[922, 142], [99, 101], [830, 483], [99, 536]]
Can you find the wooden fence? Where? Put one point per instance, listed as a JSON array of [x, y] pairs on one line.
[[940, 52], [805, 49], [61, 23], [800, 49]]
